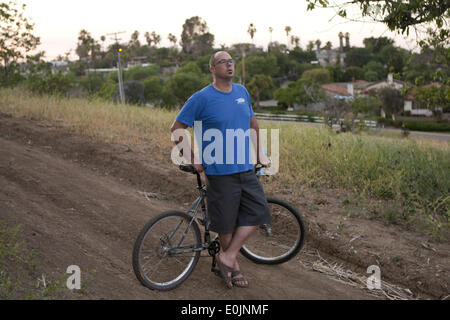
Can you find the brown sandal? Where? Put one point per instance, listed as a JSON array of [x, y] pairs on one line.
[[237, 280], [224, 270]]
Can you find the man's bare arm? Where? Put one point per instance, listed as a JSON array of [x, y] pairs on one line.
[[176, 125], [261, 157]]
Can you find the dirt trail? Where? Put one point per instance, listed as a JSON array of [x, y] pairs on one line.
[[78, 203]]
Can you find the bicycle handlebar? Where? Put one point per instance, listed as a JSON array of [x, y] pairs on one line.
[[188, 168]]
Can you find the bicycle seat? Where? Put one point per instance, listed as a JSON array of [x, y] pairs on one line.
[[188, 168]]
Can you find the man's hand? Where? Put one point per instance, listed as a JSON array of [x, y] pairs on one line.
[[263, 160]]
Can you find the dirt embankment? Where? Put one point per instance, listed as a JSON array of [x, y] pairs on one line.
[[78, 202]]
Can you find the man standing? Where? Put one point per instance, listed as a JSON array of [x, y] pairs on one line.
[[235, 198]]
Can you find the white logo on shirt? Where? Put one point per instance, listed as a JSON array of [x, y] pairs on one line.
[[240, 100]]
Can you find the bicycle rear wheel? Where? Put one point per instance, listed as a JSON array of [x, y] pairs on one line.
[[279, 241], [163, 254]]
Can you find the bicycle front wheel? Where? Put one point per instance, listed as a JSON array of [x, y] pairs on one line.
[[278, 241], [166, 250]]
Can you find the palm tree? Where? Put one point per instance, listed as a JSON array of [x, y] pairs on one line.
[[172, 38], [156, 38], [148, 38], [288, 30], [318, 43], [295, 40], [251, 30], [341, 37]]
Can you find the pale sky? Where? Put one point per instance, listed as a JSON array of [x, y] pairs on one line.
[[58, 23]]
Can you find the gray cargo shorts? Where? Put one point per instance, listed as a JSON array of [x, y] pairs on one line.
[[235, 200]]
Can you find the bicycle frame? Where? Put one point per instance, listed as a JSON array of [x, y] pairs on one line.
[[193, 210]]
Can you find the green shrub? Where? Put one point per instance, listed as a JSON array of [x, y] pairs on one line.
[[57, 83], [153, 89], [438, 126], [107, 90], [140, 73]]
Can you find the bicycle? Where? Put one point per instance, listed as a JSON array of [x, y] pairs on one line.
[[168, 247]]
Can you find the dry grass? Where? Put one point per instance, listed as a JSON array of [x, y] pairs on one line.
[[338, 273], [415, 174], [107, 122]]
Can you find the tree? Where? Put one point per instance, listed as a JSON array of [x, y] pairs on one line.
[[140, 72], [310, 46], [156, 38], [173, 39], [392, 57], [16, 39], [259, 83], [337, 73], [434, 97], [375, 44], [186, 81], [348, 110], [87, 47], [259, 65], [319, 75], [365, 105], [358, 57], [308, 91], [353, 73], [391, 101], [196, 40], [401, 16], [418, 65], [396, 14], [190, 67], [148, 39], [375, 70], [288, 30], [295, 41], [318, 43], [301, 56], [251, 30], [134, 42], [302, 91], [335, 110], [153, 89], [286, 97]]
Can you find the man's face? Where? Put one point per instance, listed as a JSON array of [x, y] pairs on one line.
[[223, 66]]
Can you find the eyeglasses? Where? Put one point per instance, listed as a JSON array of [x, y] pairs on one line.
[[223, 61]]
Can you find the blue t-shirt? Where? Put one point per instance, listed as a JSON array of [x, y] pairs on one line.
[[221, 124]]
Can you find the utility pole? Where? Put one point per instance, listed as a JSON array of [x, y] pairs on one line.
[[119, 66]]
